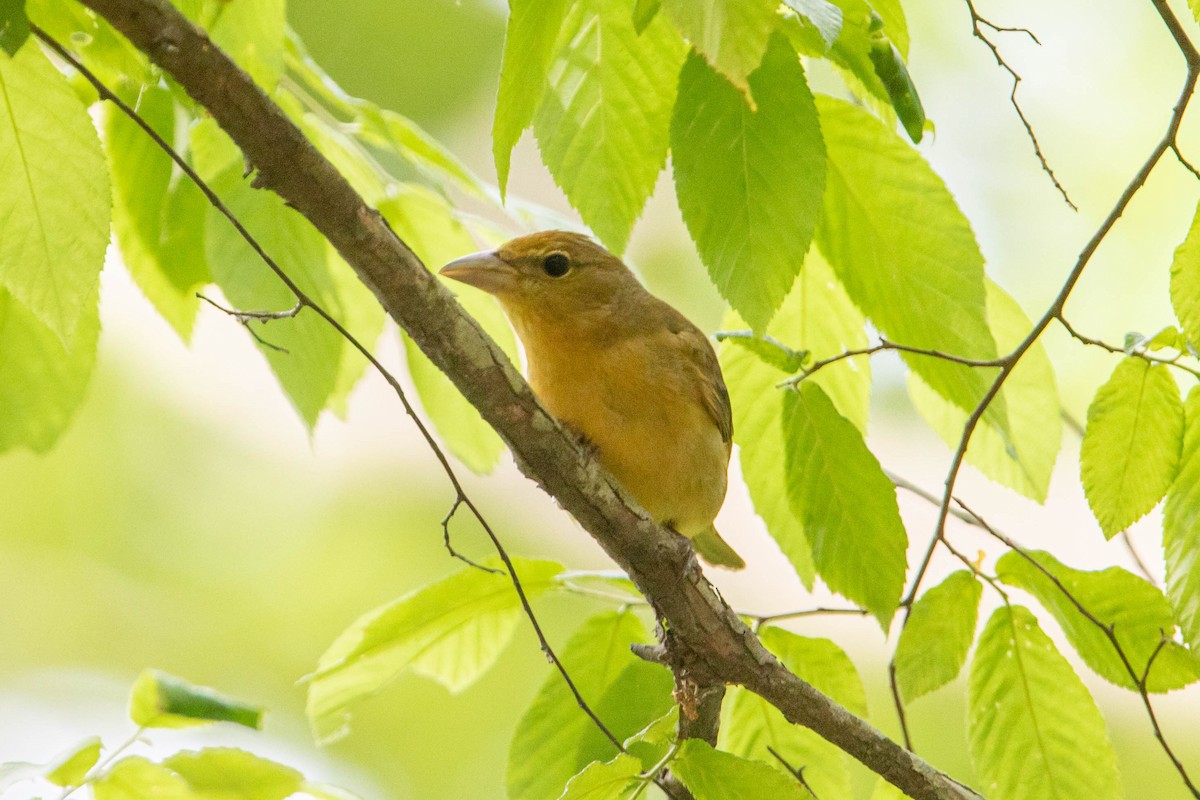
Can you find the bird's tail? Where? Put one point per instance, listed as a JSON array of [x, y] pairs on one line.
[[715, 550]]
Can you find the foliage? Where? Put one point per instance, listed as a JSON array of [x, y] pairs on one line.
[[817, 222]]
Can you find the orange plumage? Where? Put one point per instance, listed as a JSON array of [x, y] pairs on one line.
[[623, 369]]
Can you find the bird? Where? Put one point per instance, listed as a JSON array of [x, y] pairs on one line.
[[623, 370]]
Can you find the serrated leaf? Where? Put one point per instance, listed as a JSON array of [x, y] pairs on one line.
[[427, 224], [934, 642], [1181, 530], [42, 383], [136, 778], [554, 739], [602, 126], [731, 34], [1031, 397], [54, 194], [72, 767], [818, 317], [159, 227], [1137, 611], [14, 26], [906, 254], [749, 725], [846, 502], [1185, 280], [452, 631], [1130, 450], [161, 700], [611, 780], [749, 182], [1034, 731], [308, 370], [715, 775], [529, 39], [226, 772]]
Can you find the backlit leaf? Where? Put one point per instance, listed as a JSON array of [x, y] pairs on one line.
[[934, 642], [161, 700], [1181, 530], [715, 775], [731, 34]]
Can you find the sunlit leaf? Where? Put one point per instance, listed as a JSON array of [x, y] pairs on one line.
[[1034, 731], [1031, 398], [108, 54], [54, 194], [1130, 451], [822, 15], [749, 724], [731, 34], [14, 26], [818, 317], [934, 642], [611, 780], [452, 631], [533, 28], [161, 700], [603, 123], [906, 254], [1137, 612], [225, 772], [749, 181], [1185, 279], [555, 739], [715, 775], [159, 227], [42, 382], [1181, 530], [136, 778], [71, 768]]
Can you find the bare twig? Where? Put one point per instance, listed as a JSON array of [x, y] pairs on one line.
[[797, 772], [763, 619], [977, 24], [1135, 353], [302, 301], [884, 344]]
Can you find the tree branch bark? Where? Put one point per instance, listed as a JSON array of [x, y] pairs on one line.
[[705, 641]]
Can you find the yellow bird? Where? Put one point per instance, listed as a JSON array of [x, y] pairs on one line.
[[623, 369]]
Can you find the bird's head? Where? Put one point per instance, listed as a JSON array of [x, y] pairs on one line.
[[551, 273]]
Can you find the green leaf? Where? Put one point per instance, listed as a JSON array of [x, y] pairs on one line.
[[767, 348], [749, 725], [893, 73], [111, 56], [886, 791], [403, 137], [603, 123], [533, 28], [362, 316], [732, 35], [159, 227], [1031, 397], [934, 642], [714, 775], [906, 254], [426, 222], [309, 369], [14, 26], [554, 739], [1181, 530], [54, 194], [452, 631], [71, 768], [612, 780], [644, 12], [251, 32], [822, 15], [1130, 451], [749, 182], [226, 772], [136, 778], [817, 317], [652, 743], [846, 502], [1137, 612], [1185, 280], [1034, 731], [161, 700], [42, 382]]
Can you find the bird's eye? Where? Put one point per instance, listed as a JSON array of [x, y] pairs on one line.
[[556, 265]]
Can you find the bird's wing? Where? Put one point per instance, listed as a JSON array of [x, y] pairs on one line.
[[713, 393]]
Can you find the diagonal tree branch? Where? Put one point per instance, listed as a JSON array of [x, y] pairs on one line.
[[705, 641]]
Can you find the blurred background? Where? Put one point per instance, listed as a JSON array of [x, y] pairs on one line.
[[188, 522]]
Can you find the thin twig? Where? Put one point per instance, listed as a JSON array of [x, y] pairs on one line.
[[246, 317], [303, 300], [454, 507], [884, 344], [797, 772], [976, 22], [764, 619], [1143, 568], [1135, 353]]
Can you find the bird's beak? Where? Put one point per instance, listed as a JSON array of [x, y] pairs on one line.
[[484, 270]]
